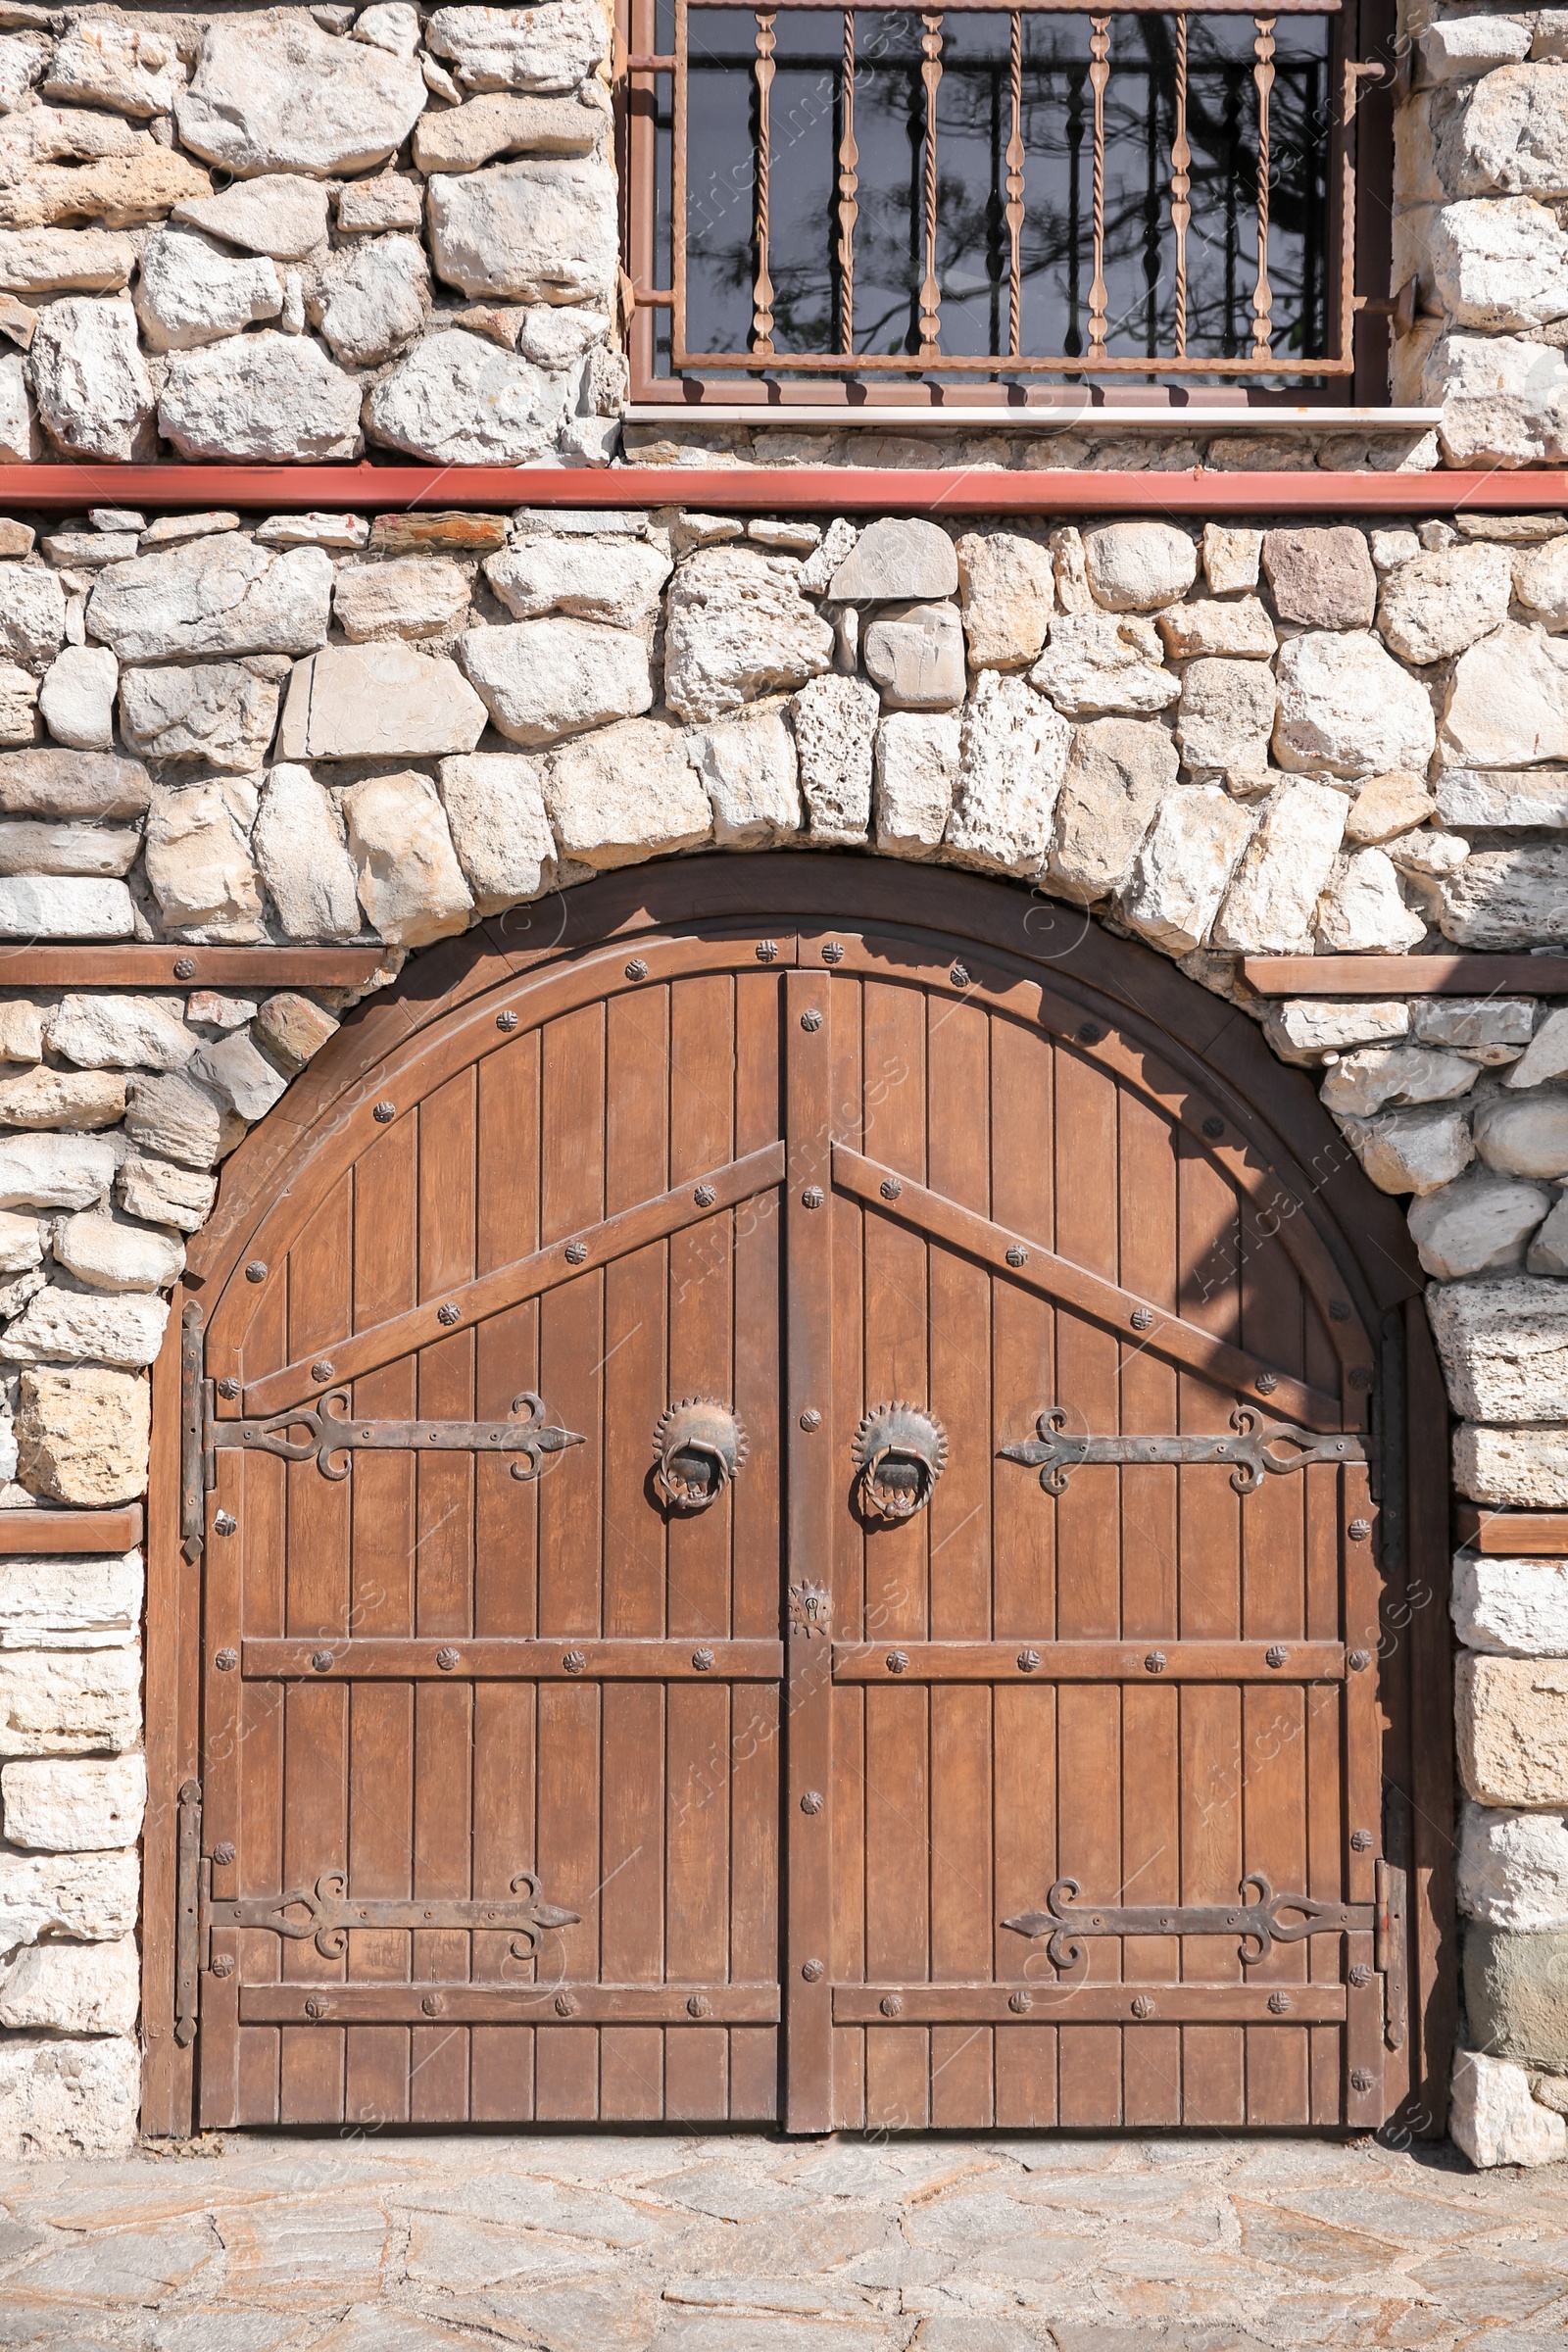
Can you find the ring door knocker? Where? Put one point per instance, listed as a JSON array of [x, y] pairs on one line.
[[700, 1445], [900, 1452]]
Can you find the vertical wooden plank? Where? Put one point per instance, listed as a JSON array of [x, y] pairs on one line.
[[173, 1698], [811, 1487], [1434, 1973]]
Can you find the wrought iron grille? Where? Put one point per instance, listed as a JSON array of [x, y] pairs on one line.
[[847, 201]]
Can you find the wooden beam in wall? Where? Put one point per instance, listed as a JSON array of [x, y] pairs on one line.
[[140, 965], [1407, 975], [1513, 1535], [35, 1534]]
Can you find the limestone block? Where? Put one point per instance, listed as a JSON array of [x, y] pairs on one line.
[[173, 1119], [1507, 897], [413, 597], [293, 1030], [73, 1988], [1240, 628], [367, 205], [73, 1703], [1183, 869], [1505, 1349], [1322, 579], [457, 400], [197, 864], [119, 177], [32, 615], [737, 628], [834, 736], [373, 299], [21, 1245], [19, 697], [1527, 1136], [218, 595], [81, 1099], [1500, 264], [626, 794], [1412, 1150], [542, 680], [1514, 1868], [356, 702], [1302, 1029], [616, 582], [1507, 135], [300, 859], [1346, 707], [914, 653], [897, 562], [1231, 557], [1546, 1054], [1504, 401], [283, 216], [273, 93], [1490, 1028], [219, 712], [1512, 1719], [64, 907], [70, 784], [67, 2098], [1283, 871], [751, 773], [409, 882], [917, 755], [66, 1326], [1376, 1077], [1066, 545], [50, 1171], [1012, 758], [1507, 702], [1119, 771], [461, 139], [1391, 548], [71, 1604], [164, 1195], [1512, 1609], [1440, 603], [1006, 585], [316, 530], [1465, 46], [529, 231], [263, 399], [100, 1032], [1493, 2118], [134, 72], [495, 807], [1137, 566], [1504, 796], [1226, 713], [78, 699], [1513, 1996], [76, 1806], [190, 291], [1362, 911], [1541, 581], [20, 439], [94, 395], [548, 48], [23, 58], [239, 1074], [1478, 1225], [1096, 663], [92, 1898], [1548, 1251]]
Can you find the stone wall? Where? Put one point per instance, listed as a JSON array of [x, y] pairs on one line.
[[1230, 740], [290, 234]]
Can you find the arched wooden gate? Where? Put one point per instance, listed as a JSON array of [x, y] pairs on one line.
[[805, 1507]]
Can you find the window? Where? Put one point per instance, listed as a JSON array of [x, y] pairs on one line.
[[841, 205]]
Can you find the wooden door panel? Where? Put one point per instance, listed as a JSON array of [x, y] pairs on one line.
[[780, 1771]]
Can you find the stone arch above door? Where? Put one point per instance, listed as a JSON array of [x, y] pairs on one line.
[[1203, 1096]]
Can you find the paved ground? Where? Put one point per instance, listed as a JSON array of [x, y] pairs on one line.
[[750, 2245]]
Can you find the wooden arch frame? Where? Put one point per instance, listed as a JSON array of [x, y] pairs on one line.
[[1198, 1055]]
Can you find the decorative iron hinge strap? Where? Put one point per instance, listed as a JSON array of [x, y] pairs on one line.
[[187, 1911], [327, 1431], [1267, 1920], [327, 1912], [1256, 1447]]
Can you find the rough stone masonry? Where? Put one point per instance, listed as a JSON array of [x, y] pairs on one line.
[[308, 233]]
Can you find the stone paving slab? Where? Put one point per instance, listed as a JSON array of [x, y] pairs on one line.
[[671, 2243]]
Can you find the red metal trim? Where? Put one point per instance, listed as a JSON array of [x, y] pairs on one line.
[[850, 489]]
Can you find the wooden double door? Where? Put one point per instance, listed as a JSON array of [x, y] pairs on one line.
[[791, 1526]]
